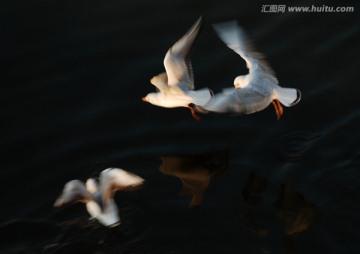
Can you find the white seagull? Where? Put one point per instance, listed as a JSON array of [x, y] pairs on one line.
[[176, 85], [98, 197], [252, 92]]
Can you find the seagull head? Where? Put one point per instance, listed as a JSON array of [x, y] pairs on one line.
[[153, 98], [241, 81]]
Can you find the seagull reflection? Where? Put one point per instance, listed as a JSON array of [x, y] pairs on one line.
[[294, 211], [195, 172]]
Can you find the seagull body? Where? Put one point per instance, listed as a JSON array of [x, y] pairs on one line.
[[176, 85], [98, 197], [252, 92]]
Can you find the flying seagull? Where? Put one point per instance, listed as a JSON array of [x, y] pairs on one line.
[[98, 196], [256, 90], [175, 87]]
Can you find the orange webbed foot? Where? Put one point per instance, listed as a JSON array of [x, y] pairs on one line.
[[193, 113], [278, 108]]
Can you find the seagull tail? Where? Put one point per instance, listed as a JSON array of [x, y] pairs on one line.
[[288, 96]]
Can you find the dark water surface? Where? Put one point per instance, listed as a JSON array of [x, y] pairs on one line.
[[74, 74]]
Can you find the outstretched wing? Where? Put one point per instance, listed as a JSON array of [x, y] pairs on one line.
[[160, 82], [251, 100], [237, 101], [114, 179], [74, 191], [177, 60], [235, 38]]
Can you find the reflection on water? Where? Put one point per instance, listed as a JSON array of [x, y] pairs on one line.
[[292, 146], [254, 185], [78, 236], [293, 212], [292, 208], [195, 172]]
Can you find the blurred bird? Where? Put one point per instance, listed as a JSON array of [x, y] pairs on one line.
[[252, 92], [98, 196], [176, 85]]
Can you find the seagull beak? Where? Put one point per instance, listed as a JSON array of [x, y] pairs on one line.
[[144, 99]]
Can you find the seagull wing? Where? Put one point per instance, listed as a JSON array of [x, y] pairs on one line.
[[222, 102], [160, 82], [177, 60], [235, 38], [114, 179], [73, 191], [238, 101], [92, 186], [251, 100]]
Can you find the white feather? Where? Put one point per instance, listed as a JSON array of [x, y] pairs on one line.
[[256, 90], [177, 84]]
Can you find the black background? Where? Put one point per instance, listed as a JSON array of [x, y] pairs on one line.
[[73, 75]]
